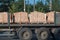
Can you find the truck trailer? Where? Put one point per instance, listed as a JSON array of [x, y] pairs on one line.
[[25, 26]]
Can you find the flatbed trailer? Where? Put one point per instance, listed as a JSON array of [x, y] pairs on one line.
[[25, 31], [17, 29]]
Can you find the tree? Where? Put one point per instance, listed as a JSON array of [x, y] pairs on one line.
[[41, 7], [29, 8], [12, 7], [20, 5], [55, 4], [4, 5]]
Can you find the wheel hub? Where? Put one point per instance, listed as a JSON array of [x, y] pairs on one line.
[[26, 35], [44, 35]]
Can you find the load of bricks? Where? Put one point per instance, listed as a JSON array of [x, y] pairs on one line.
[[37, 17], [24, 17], [17, 17], [33, 17], [41, 17], [50, 17], [21, 17], [4, 17], [1, 18]]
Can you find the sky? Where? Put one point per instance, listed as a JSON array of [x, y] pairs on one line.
[[32, 1]]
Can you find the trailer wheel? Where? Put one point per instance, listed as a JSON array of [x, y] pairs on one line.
[[25, 34], [42, 34]]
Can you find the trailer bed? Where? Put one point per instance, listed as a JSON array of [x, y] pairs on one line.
[[28, 25]]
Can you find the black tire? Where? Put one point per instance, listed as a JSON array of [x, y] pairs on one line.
[[25, 34], [43, 34], [18, 30], [57, 33]]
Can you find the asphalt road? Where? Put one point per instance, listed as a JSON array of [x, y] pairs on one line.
[[15, 38], [8, 38]]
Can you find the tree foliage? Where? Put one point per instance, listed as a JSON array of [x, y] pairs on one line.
[[40, 6], [12, 8], [17, 6], [20, 5], [56, 5]]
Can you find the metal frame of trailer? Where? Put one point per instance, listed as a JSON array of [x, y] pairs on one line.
[[28, 25], [13, 27]]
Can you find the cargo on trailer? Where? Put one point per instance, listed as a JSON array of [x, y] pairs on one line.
[[4, 17], [41, 17], [37, 17], [21, 17], [33, 17], [24, 17], [50, 17]]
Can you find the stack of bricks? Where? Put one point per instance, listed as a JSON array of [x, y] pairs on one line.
[[41, 17], [33, 17], [4, 17], [1, 17], [50, 17], [37, 17], [21, 17], [17, 17], [24, 17]]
